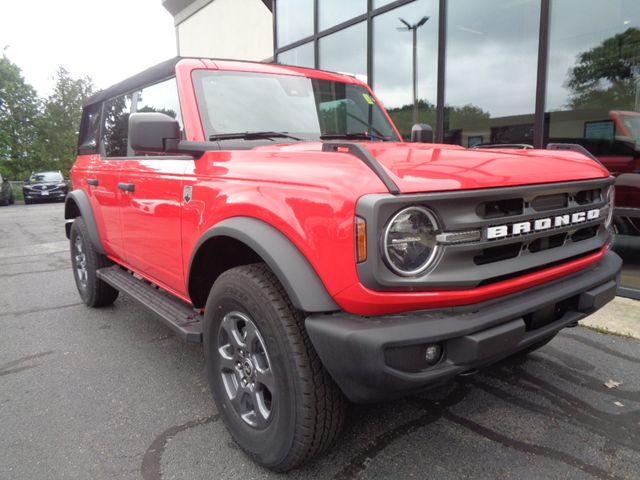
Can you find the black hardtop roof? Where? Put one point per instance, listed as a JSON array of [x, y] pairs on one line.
[[155, 74], [150, 75]]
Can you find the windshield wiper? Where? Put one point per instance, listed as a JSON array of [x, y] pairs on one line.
[[354, 136], [250, 136]]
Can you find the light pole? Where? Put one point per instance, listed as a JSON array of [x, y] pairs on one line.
[[414, 30]]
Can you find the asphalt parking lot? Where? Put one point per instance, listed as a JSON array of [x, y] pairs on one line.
[[111, 393]]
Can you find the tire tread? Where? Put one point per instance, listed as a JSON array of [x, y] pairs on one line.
[[323, 408]]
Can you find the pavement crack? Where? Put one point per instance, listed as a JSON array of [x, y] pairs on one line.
[[531, 448], [151, 468], [35, 271], [587, 381], [562, 413], [362, 459], [590, 343], [569, 360], [615, 426], [8, 368], [17, 370], [36, 310]]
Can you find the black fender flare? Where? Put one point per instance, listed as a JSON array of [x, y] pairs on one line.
[[77, 205], [293, 270]]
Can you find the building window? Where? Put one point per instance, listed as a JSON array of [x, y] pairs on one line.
[[381, 3], [302, 56], [334, 12], [345, 51], [593, 99], [491, 65], [294, 21], [115, 133], [393, 63]]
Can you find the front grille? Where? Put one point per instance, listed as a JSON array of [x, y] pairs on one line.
[[544, 203], [49, 188], [491, 259]]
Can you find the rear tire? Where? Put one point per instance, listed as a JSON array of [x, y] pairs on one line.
[[290, 409], [85, 262], [11, 199]]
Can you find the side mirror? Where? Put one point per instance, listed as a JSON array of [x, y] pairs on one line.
[[422, 133], [149, 132]]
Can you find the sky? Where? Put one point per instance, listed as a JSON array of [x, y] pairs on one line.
[[106, 40]]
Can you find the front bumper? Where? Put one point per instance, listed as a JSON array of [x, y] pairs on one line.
[[36, 195], [378, 358]]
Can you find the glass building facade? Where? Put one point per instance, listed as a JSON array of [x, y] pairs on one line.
[[528, 72]]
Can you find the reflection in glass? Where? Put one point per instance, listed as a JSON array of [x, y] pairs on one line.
[[115, 131], [345, 51], [301, 56], [334, 12], [381, 3], [90, 127], [236, 102], [161, 97], [393, 66], [491, 62], [593, 99], [294, 21]]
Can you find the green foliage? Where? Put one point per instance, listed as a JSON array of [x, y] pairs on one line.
[[460, 116], [35, 133], [19, 109], [59, 121], [603, 77]]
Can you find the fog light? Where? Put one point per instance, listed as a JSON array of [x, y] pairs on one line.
[[432, 353]]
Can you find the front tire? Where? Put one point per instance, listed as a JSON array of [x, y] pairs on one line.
[[273, 394], [85, 262]]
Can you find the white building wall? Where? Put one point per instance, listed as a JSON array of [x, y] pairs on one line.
[[237, 29]]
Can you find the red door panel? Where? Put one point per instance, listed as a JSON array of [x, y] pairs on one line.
[[151, 216], [105, 201]]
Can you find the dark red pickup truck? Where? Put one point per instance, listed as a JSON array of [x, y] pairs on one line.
[[274, 214]]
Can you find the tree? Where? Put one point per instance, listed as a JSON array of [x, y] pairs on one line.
[[603, 77], [60, 119], [19, 108], [460, 116]]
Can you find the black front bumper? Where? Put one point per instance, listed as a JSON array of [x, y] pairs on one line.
[[378, 358]]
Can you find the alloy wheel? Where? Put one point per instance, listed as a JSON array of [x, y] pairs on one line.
[[246, 370]]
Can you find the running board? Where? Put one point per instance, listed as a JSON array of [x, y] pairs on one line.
[[176, 314]]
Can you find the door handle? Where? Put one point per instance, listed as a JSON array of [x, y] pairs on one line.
[[93, 181], [127, 187]]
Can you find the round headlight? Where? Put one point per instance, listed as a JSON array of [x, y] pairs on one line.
[[409, 241], [611, 193]]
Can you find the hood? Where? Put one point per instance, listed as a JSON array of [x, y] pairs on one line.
[[418, 168]]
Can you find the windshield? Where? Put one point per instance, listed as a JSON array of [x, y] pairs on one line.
[[632, 124], [233, 102], [46, 177]]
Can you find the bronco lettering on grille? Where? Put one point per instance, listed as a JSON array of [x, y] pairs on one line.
[[520, 228]]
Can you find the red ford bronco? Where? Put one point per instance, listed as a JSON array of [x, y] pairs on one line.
[[274, 214]]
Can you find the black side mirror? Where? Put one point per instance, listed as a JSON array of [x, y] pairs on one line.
[[422, 133], [149, 131]]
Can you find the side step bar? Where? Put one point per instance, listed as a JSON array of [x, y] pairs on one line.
[[177, 315]]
